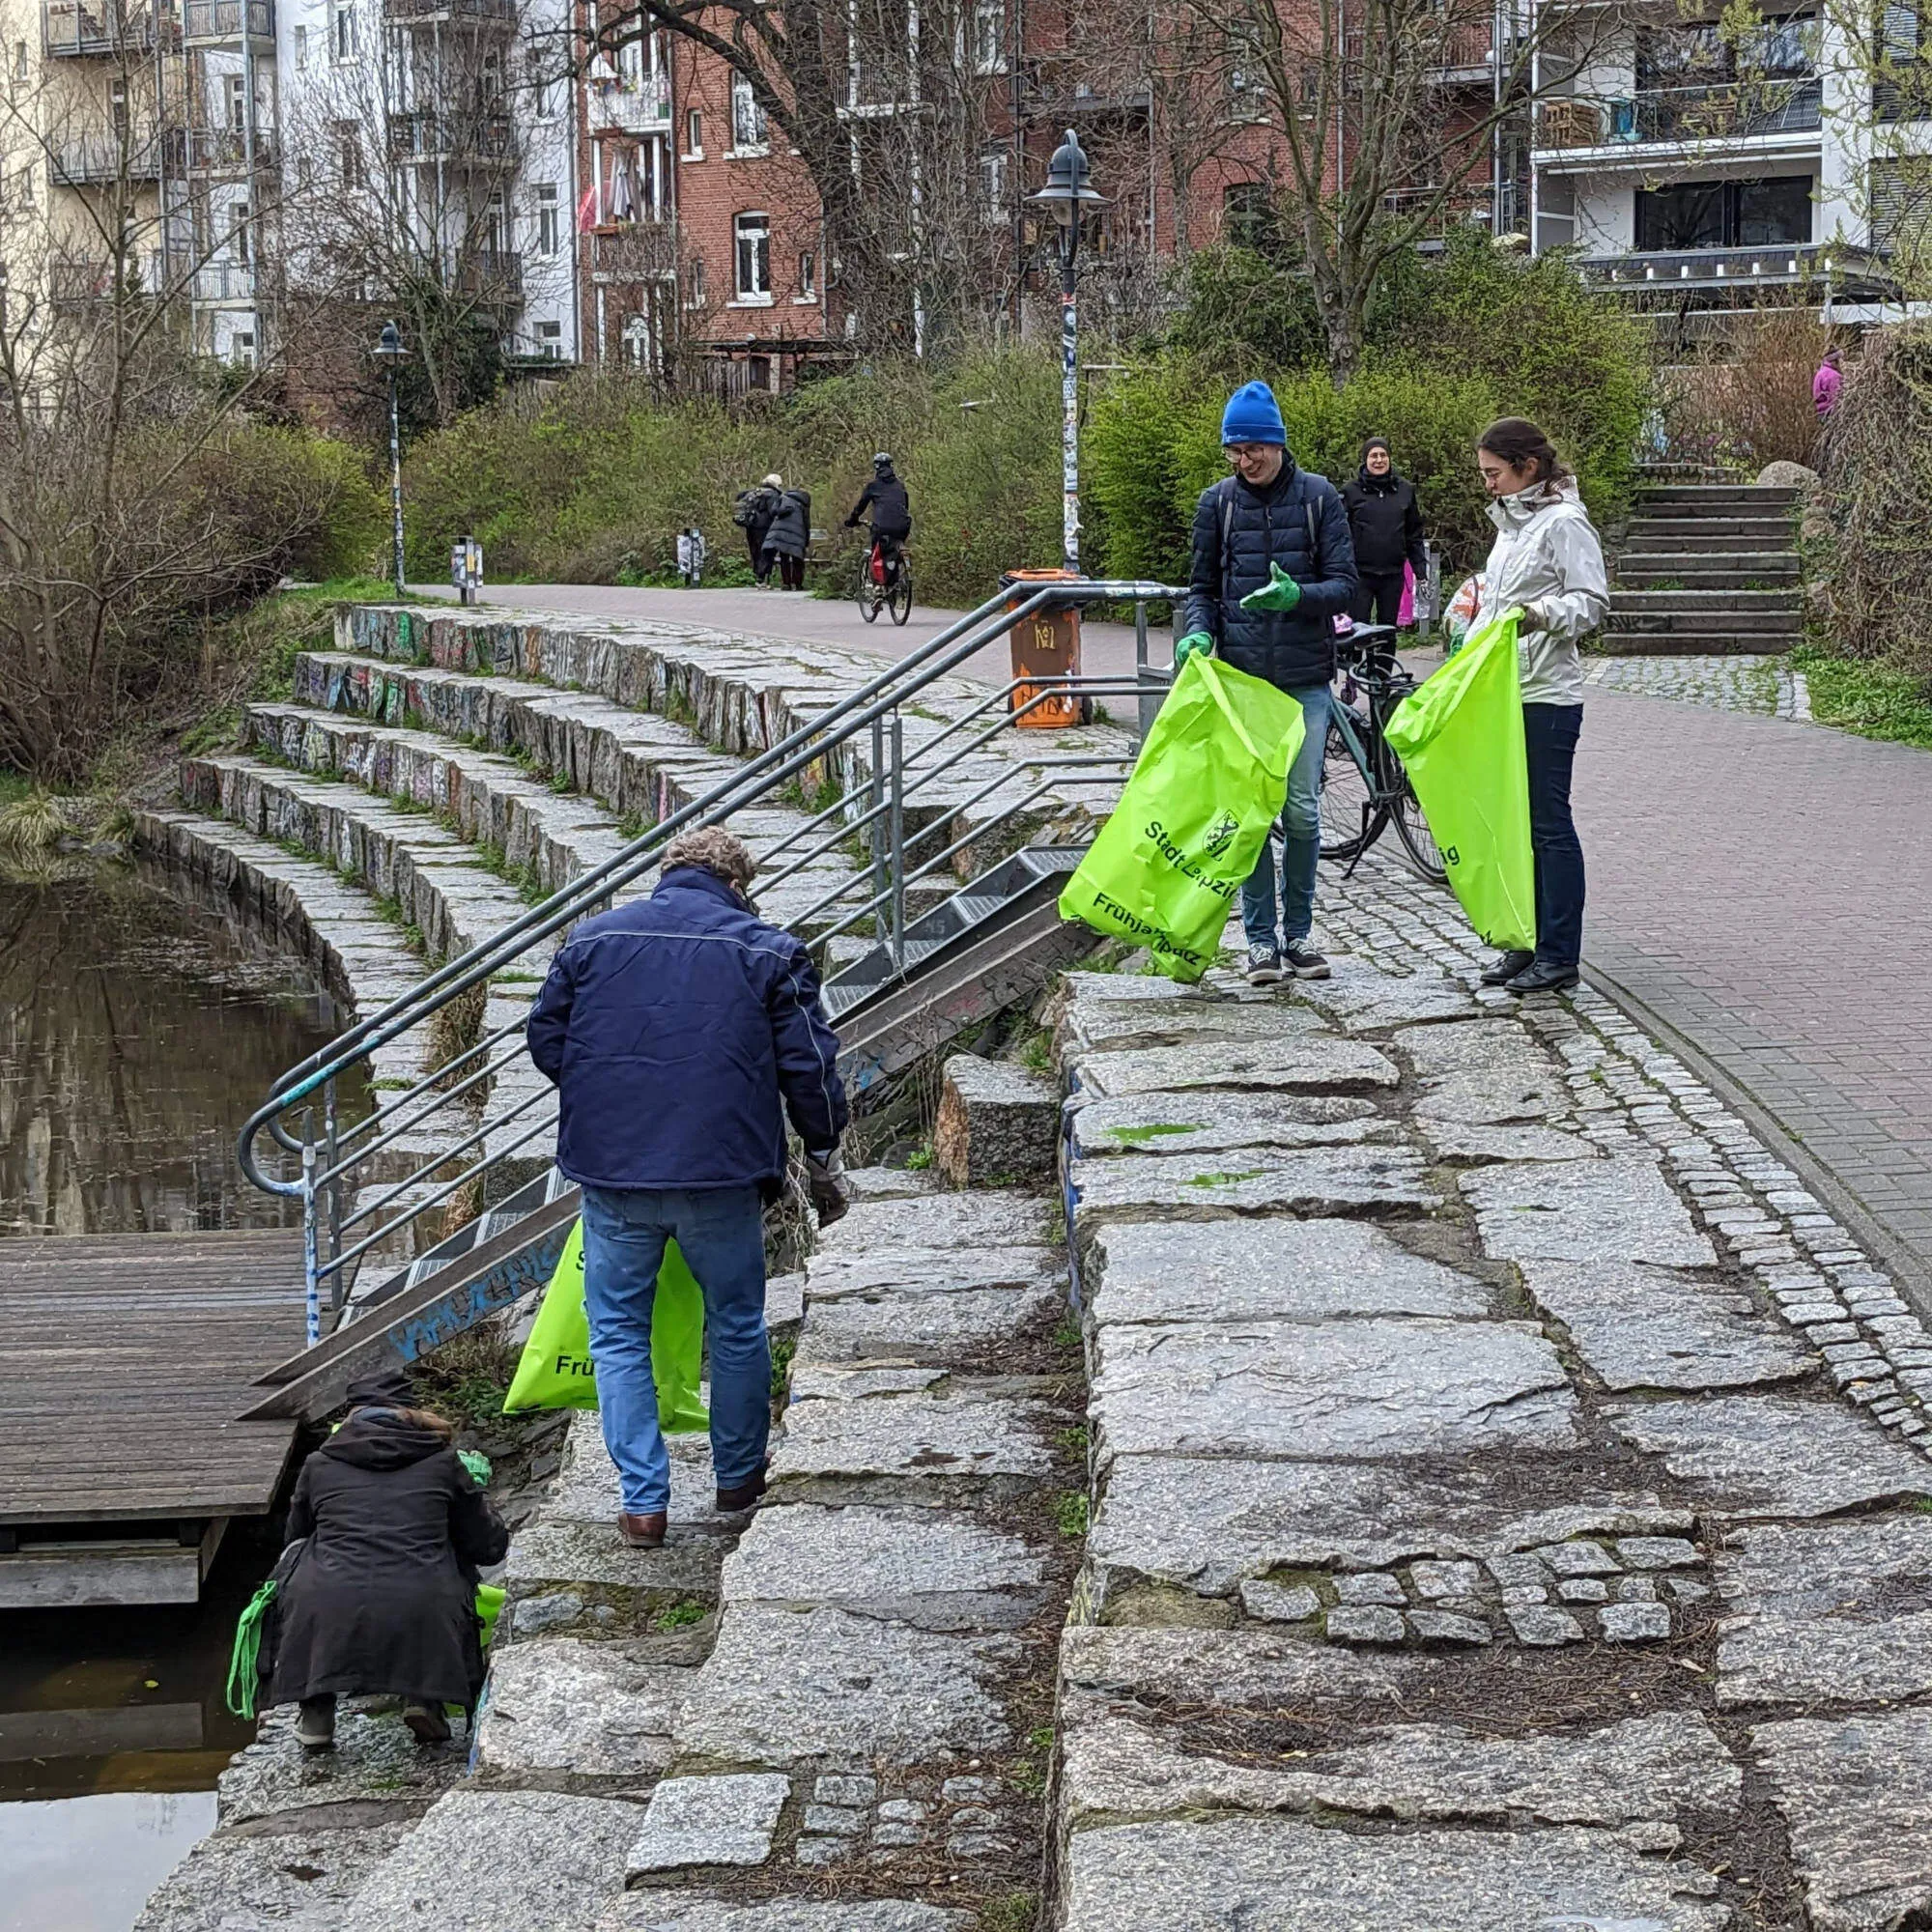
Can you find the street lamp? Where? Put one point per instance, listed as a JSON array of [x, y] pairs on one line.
[[391, 354], [1070, 199]]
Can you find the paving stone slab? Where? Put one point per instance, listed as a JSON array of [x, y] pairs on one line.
[[709, 1821], [962, 1222], [1856, 1794], [940, 1329], [931, 1568], [912, 1435], [1615, 1210], [1651, 1327], [1369, 1388], [376, 1758], [1208, 1122], [1253, 1270], [1465, 1141], [1770, 1455], [1826, 1610], [1231, 1875], [1651, 1767], [1486, 1074], [785, 1686], [1190, 1188], [587, 1488], [499, 1862], [832, 1277], [299, 1881], [1207, 1523], [1364, 998], [1311, 1063], [593, 1552], [1137, 1026], [659, 1911], [598, 1710], [1249, 1668]]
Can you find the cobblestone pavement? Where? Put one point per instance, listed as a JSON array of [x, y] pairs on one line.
[[1487, 1434], [1765, 890], [1765, 687]]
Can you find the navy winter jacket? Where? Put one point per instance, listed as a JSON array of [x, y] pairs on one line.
[[1239, 530], [672, 1028]]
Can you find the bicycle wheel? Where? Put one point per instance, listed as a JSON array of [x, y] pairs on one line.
[[1346, 824], [1412, 829], [868, 591], [899, 602]]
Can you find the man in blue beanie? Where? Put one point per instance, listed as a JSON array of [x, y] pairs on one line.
[[1274, 566]]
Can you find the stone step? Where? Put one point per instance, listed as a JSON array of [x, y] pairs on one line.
[[1712, 532], [1650, 641], [1681, 571], [1694, 496], [998, 1122], [1678, 614]]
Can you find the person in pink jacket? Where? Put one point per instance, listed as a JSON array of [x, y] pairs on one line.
[[1825, 384]]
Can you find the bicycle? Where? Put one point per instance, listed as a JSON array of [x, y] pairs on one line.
[[1364, 788], [885, 582]]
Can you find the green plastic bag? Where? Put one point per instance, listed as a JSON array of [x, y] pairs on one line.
[[1460, 737], [1208, 786], [556, 1370]]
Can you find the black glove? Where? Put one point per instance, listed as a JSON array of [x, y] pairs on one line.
[[825, 1182]]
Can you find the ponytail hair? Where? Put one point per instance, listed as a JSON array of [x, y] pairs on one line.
[[1519, 443]]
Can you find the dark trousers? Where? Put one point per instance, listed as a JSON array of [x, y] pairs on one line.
[[1549, 733], [1376, 599], [754, 540], [791, 572]]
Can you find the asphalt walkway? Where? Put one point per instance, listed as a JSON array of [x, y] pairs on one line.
[[1761, 889]]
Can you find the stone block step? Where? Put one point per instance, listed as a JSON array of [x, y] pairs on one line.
[[1712, 532], [1685, 571], [1681, 498], [998, 1122], [1629, 615], [1650, 641]]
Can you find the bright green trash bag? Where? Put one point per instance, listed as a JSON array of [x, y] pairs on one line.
[[1460, 738], [555, 1371], [1204, 793]]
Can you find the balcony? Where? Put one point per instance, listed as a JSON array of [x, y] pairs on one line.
[[1467, 207], [457, 140], [436, 13], [634, 251], [101, 161], [228, 20], [642, 109], [1706, 272], [224, 151], [225, 282], [78, 281], [492, 275], [1768, 114], [70, 29]]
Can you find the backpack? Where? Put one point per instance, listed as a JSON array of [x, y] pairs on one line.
[[745, 511]]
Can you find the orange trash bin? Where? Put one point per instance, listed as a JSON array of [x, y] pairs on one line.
[[1046, 644]]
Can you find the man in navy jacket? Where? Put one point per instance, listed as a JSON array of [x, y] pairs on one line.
[[680, 1030], [1274, 565]]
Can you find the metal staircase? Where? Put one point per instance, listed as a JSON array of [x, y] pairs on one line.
[[445, 1190]]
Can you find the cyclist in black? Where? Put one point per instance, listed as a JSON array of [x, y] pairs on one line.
[[885, 495]]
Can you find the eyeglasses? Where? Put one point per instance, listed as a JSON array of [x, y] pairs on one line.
[[1239, 452]]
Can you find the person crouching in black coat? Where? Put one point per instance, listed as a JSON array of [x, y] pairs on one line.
[[1387, 529], [382, 1599]]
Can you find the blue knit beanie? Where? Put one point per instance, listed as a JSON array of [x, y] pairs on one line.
[[1253, 415]]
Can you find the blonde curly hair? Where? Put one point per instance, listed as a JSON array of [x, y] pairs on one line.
[[715, 850]]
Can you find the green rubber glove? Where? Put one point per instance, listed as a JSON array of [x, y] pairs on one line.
[[1282, 593], [1195, 641]]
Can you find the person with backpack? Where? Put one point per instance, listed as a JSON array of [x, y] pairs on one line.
[[1273, 567], [753, 513], [1385, 525]]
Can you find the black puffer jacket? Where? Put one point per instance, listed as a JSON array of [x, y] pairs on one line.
[[1385, 523], [1239, 530], [384, 1599], [791, 529]]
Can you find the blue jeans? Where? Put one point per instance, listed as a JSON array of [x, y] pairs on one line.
[[1549, 734], [721, 1233], [1302, 843]]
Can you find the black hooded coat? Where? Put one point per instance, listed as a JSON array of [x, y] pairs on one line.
[[384, 1596]]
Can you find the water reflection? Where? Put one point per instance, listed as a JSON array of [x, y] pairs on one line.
[[88, 1865], [137, 1032]]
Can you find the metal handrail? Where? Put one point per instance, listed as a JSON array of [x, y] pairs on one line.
[[329, 1163]]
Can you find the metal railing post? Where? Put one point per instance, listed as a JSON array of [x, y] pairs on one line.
[[311, 1263], [1148, 690], [899, 842], [331, 1142], [876, 829]]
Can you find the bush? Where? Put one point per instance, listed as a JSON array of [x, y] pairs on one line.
[[1751, 404]]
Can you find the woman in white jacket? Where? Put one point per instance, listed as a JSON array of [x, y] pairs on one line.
[[1548, 562]]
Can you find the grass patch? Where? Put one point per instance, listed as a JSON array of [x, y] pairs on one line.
[[1035, 1055], [1010, 1912], [680, 1617], [784, 1349], [919, 1159], [1226, 1179], [32, 823], [1073, 1441], [468, 1376], [1070, 1513], [1870, 699], [1139, 1136]]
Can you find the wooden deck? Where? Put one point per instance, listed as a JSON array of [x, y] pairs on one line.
[[126, 1360]]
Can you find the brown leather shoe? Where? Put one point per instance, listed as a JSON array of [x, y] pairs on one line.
[[644, 1532], [744, 1496]]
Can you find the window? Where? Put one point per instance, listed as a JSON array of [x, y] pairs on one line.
[[550, 341], [989, 36], [1901, 204], [545, 196], [694, 282], [343, 30], [807, 276], [543, 94], [1724, 214], [241, 349], [994, 166], [238, 232], [1247, 83], [26, 194], [234, 101], [631, 64], [1248, 216], [301, 47], [753, 236], [349, 154], [749, 133], [20, 69], [694, 135]]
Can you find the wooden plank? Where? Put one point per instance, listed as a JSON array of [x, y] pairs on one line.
[[130, 1359]]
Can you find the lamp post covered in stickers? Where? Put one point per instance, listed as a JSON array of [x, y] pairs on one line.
[[1070, 198]]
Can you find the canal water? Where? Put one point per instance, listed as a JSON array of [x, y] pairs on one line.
[[138, 1029]]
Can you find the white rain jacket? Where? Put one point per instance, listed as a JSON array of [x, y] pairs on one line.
[[1546, 555]]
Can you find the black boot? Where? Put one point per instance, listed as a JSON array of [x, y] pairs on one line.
[[1502, 972], [1542, 976]]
